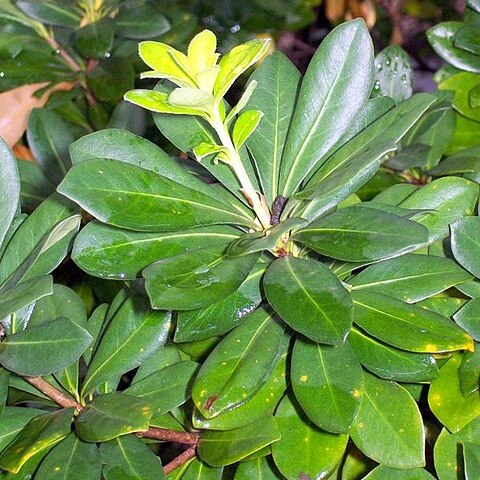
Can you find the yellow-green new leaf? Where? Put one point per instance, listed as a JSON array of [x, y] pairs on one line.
[[245, 125]]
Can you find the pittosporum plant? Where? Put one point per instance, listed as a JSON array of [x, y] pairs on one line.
[[305, 325]]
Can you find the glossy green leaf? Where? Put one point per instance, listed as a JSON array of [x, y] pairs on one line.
[[239, 365], [224, 448], [94, 327], [410, 278], [393, 74], [446, 400], [227, 313], [359, 234], [385, 473], [275, 94], [462, 84], [95, 39], [245, 125], [50, 12], [162, 358], [196, 279], [261, 469], [49, 137], [441, 38], [468, 317], [114, 253], [141, 23], [30, 235], [71, 459], [332, 185], [40, 434], [391, 363], [13, 421], [198, 470], [133, 334], [24, 294], [166, 389], [448, 462], [410, 327], [474, 5], [304, 450], [35, 186], [309, 298], [128, 458], [127, 196], [465, 135], [341, 68], [261, 404], [389, 427], [112, 415], [328, 384], [465, 242], [469, 372], [44, 349], [471, 455], [9, 188]]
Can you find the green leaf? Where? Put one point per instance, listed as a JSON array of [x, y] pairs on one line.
[[474, 5], [40, 434], [13, 421], [275, 95], [166, 389], [245, 125], [35, 186], [127, 196], [359, 234], [9, 188], [71, 459], [441, 38], [95, 40], [469, 372], [410, 327], [162, 358], [224, 448], [227, 313], [4, 383], [328, 384], [24, 294], [309, 298], [462, 84], [465, 242], [260, 468], [391, 363], [389, 427], [390, 127], [133, 334], [198, 470], [140, 23], [94, 327], [128, 458], [471, 455], [304, 450], [446, 400], [385, 473], [410, 278], [393, 74], [49, 137], [237, 61], [111, 78], [195, 279], [239, 365], [330, 186], [261, 404], [111, 415], [341, 68], [44, 349], [50, 13], [448, 462], [35, 230], [468, 317], [103, 250]]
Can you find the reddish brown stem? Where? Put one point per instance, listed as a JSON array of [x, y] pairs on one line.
[[188, 438], [51, 392], [180, 460], [64, 54]]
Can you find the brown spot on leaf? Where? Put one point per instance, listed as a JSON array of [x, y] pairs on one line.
[[210, 401]]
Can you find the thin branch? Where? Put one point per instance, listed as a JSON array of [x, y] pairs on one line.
[[51, 392], [184, 457], [188, 438], [64, 54]]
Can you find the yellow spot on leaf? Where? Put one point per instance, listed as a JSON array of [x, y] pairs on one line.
[[57, 469], [303, 378]]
